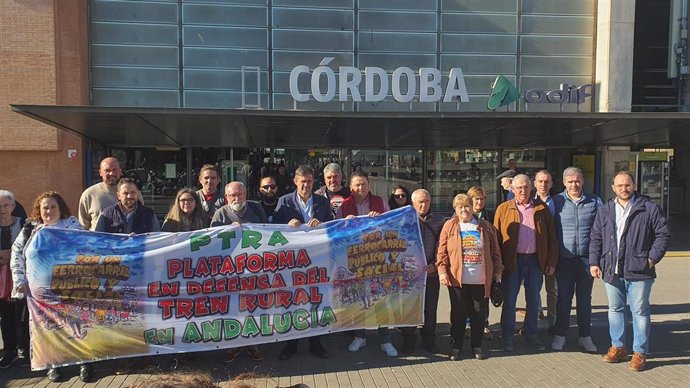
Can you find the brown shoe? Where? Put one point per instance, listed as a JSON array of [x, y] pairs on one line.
[[638, 362], [615, 355], [254, 353], [231, 355]]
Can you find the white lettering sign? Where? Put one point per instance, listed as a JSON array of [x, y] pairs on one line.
[[350, 79]]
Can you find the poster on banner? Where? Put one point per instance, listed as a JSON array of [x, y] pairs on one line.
[[97, 296]]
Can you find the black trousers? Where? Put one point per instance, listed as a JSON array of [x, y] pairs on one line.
[[21, 312], [428, 331], [8, 325], [466, 301], [314, 344]]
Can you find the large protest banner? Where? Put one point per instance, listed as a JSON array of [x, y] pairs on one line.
[[97, 296]]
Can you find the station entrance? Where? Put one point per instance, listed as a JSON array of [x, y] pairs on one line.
[[160, 173]]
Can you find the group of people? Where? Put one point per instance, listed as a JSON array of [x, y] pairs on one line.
[[569, 239]]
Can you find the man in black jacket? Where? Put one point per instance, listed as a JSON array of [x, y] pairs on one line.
[[430, 225], [128, 215], [628, 239], [302, 207]]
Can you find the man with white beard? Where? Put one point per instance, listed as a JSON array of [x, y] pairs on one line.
[[238, 209]]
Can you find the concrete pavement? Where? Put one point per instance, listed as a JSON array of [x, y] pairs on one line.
[[669, 358]]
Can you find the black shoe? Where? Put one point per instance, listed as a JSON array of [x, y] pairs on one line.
[[430, 346], [454, 354], [86, 372], [320, 352], [7, 359], [54, 374], [408, 345], [534, 343], [288, 351], [479, 353]]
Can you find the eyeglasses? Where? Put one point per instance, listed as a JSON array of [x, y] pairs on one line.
[[269, 187], [400, 196], [186, 200]]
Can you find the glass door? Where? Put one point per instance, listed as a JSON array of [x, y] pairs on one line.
[[387, 168], [451, 172]]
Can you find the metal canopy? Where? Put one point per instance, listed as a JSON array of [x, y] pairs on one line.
[[184, 127]]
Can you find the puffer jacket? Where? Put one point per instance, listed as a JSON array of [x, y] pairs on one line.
[[645, 237], [574, 223]]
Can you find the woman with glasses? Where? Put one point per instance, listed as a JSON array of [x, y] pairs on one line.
[[468, 261], [400, 196], [185, 214]]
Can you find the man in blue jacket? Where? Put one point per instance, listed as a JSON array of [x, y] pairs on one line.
[[628, 239], [295, 209], [574, 212], [128, 215]]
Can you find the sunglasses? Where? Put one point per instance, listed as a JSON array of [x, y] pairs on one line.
[[269, 187], [400, 196]]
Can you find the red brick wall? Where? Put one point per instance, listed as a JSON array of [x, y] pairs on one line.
[[44, 60]]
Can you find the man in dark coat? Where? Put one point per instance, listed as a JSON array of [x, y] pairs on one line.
[[629, 238], [302, 207]]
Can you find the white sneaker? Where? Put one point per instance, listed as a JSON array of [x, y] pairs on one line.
[[389, 349], [587, 344], [356, 344], [558, 342]]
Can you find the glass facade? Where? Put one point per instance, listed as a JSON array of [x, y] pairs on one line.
[[240, 53], [191, 53]]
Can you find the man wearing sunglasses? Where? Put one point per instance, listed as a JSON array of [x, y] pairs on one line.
[[268, 191]]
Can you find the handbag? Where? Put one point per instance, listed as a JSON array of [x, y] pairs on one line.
[[496, 294], [5, 282]]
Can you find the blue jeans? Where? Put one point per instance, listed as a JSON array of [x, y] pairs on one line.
[[527, 270], [636, 294], [384, 334], [573, 278]]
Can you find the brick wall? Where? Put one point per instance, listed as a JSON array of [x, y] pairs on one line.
[[45, 65]]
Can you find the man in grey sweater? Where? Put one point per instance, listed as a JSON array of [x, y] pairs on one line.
[[239, 211]]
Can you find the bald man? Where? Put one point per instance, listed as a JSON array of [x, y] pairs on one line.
[[101, 195]]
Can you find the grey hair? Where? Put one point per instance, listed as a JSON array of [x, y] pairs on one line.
[[7, 194], [524, 177], [333, 167], [571, 171], [419, 192], [227, 187]]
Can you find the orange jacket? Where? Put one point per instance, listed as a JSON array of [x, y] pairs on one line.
[[507, 220], [449, 254]]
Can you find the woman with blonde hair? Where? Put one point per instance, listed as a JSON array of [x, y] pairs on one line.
[[186, 213], [468, 261]]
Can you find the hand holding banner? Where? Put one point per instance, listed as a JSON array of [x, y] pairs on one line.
[[97, 296]]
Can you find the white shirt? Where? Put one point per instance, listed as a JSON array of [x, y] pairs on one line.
[[307, 208], [622, 214]]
